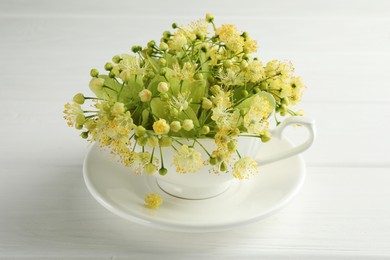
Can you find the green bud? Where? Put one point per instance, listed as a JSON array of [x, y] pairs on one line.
[[108, 66], [151, 44], [78, 127], [111, 74], [142, 141], [188, 124], [162, 62], [213, 160], [227, 64], [94, 73], [210, 18], [84, 135], [174, 26], [136, 48], [167, 34], [244, 65], [232, 145], [152, 141], [162, 171], [205, 130], [150, 168], [165, 141], [245, 35], [80, 119], [256, 90], [116, 59], [245, 93], [206, 104], [203, 48], [223, 167], [198, 76], [79, 98], [140, 131], [163, 71], [163, 46], [175, 126]]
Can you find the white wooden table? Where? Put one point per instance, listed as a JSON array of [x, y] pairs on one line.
[[340, 48]]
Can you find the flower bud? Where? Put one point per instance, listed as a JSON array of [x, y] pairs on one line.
[[90, 124], [162, 87], [210, 18], [150, 168], [162, 171], [84, 135], [223, 167], [108, 66], [188, 124], [140, 131], [79, 98], [174, 26], [213, 160], [163, 46], [136, 49], [175, 126], [151, 44], [198, 76], [78, 127], [205, 130], [232, 145], [245, 93], [256, 90], [116, 59], [111, 74], [145, 95], [227, 64], [244, 65], [206, 103], [152, 141], [167, 34], [165, 141], [80, 119], [163, 71], [162, 62], [142, 141], [94, 73]]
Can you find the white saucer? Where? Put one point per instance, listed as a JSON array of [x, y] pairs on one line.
[[122, 192]]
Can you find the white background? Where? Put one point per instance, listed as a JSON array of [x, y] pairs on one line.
[[340, 48]]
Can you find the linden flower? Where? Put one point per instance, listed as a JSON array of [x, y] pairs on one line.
[[129, 66], [72, 111], [255, 120], [229, 34], [187, 159], [178, 41], [244, 168], [161, 127], [153, 201]]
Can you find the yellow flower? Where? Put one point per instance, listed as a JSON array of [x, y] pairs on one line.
[[187, 159], [130, 66], [72, 111], [118, 108], [244, 168], [178, 41], [161, 127], [250, 45], [153, 201], [255, 120], [229, 34]]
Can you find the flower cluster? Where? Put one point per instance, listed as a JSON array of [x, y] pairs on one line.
[[200, 81]]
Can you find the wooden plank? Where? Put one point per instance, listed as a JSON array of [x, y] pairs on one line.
[[339, 213], [275, 9]]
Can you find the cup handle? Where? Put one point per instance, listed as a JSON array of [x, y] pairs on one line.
[[278, 133]]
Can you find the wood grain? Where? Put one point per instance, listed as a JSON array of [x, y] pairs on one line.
[[340, 48]]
